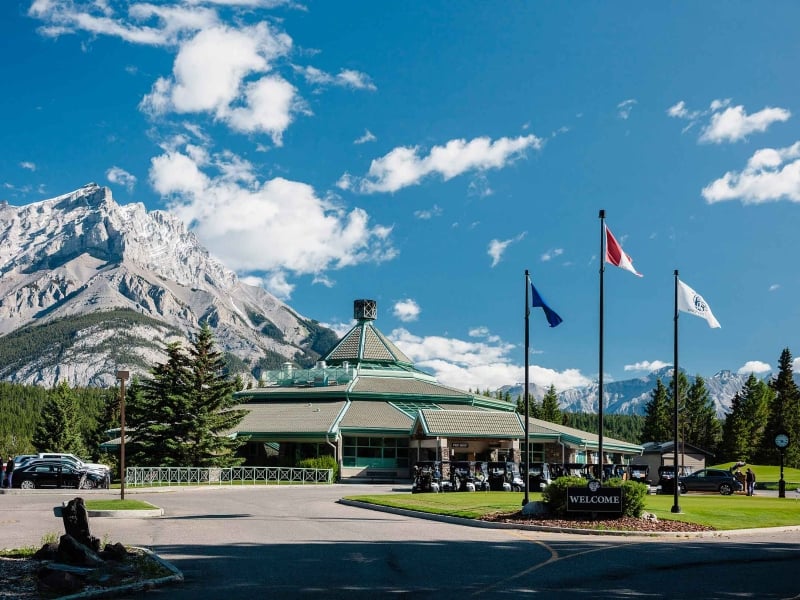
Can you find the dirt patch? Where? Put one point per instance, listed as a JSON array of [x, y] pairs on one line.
[[619, 524]]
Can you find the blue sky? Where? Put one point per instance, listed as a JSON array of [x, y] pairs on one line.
[[424, 154]]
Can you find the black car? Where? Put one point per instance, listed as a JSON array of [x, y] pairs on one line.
[[54, 474], [710, 480]]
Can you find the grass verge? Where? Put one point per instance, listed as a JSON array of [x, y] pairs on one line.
[[720, 512]]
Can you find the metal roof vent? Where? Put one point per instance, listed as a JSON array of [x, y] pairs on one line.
[[365, 310]]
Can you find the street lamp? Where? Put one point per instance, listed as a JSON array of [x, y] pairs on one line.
[[122, 376]]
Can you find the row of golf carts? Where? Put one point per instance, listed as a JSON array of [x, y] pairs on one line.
[[470, 476]]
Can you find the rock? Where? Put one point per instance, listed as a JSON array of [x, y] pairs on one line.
[[57, 583], [76, 524], [72, 552], [47, 552], [535, 508], [116, 552]]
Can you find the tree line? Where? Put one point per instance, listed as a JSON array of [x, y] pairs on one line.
[[178, 415], [759, 411]]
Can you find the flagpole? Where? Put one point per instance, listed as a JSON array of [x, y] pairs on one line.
[[527, 401], [676, 508], [600, 376]]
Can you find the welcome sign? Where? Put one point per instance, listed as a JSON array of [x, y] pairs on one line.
[[594, 498]]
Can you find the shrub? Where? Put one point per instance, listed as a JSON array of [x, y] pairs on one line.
[[321, 462], [633, 495]]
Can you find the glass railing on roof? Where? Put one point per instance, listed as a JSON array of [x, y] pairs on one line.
[[319, 376]]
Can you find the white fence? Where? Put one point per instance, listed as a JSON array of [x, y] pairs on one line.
[[162, 476]]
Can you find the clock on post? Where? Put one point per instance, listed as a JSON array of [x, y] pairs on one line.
[[781, 440]]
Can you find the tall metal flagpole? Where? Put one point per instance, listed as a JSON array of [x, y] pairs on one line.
[[527, 409], [675, 506], [600, 376]]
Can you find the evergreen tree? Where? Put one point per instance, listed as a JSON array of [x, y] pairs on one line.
[[534, 410], [181, 415], [784, 413], [657, 423], [550, 411], [701, 427], [746, 421], [57, 429], [154, 408], [212, 415]]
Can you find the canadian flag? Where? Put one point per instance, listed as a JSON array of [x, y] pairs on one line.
[[616, 255]]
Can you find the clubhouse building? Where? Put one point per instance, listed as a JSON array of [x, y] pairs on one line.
[[367, 405]]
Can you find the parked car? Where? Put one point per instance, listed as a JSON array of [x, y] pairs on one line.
[[54, 474], [710, 480], [74, 461]]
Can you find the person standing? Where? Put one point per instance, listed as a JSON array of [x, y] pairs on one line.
[[9, 471], [750, 480]]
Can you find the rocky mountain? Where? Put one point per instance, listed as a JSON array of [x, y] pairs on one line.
[[88, 287], [630, 396]]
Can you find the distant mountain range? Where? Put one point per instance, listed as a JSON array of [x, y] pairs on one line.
[[630, 396], [88, 287]]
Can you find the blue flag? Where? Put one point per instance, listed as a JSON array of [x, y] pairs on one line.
[[551, 315]]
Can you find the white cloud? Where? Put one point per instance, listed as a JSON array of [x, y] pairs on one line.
[[625, 107], [212, 72], [367, 137], [403, 166], [774, 287], [344, 78], [433, 211], [734, 124], [479, 186], [477, 365], [550, 254], [144, 23], [276, 226], [120, 176], [406, 310], [771, 174], [728, 123], [498, 247], [28, 165], [647, 365], [754, 366]]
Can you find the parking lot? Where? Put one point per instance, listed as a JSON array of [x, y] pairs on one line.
[[297, 541]]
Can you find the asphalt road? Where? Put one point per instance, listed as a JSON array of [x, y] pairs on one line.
[[298, 542]]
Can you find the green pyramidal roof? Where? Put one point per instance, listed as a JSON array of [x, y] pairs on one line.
[[364, 342]]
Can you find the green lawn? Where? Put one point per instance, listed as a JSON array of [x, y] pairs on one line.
[[720, 512]]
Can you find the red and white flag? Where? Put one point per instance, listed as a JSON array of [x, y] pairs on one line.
[[616, 255]]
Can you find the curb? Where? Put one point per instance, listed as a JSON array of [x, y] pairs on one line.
[[491, 525], [117, 514]]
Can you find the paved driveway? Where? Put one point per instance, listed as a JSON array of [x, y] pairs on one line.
[[290, 542]]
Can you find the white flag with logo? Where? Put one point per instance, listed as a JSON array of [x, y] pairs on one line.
[[691, 302]]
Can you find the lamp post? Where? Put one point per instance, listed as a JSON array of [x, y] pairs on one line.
[[122, 376]]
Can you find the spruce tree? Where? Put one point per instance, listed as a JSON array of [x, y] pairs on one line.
[[213, 414], [57, 429], [701, 427], [657, 423], [784, 414], [746, 421], [550, 411]]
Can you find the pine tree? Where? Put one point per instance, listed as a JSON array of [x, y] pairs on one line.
[[550, 411], [746, 421], [701, 427], [784, 413], [156, 409], [181, 415], [213, 413], [657, 424], [57, 429]]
